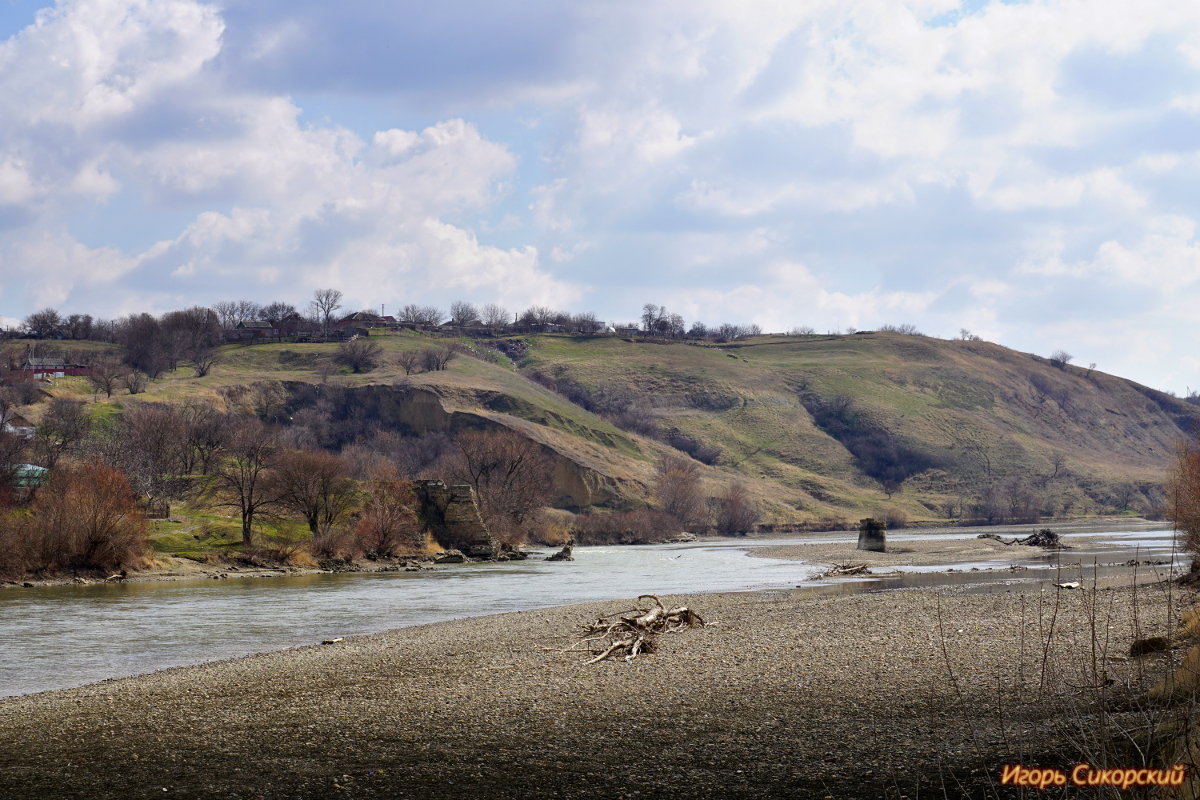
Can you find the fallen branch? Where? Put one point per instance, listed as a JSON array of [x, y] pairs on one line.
[[631, 636], [1043, 538], [838, 570]]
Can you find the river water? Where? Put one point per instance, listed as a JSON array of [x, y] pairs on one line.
[[62, 636]]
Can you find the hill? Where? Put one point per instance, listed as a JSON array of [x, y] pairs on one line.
[[823, 429]]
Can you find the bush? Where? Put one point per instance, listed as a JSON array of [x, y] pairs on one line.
[[1183, 496], [894, 518], [625, 527], [736, 511], [437, 357], [389, 525], [359, 354], [85, 517]]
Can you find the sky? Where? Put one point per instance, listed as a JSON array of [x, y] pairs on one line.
[[1026, 171]]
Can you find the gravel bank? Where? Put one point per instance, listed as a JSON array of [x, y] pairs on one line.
[[790, 694], [900, 552]]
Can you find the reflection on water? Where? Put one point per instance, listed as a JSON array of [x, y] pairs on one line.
[[64, 636]]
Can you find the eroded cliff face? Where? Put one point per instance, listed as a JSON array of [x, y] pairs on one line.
[[579, 478]]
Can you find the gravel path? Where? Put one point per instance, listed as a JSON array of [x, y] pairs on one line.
[[894, 694]]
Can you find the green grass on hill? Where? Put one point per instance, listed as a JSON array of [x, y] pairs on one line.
[[976, 411]]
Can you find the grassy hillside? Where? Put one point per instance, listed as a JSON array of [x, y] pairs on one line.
[[967, 414], [823, 427]]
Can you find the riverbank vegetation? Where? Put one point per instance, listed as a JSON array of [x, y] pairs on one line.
[[563, 426]]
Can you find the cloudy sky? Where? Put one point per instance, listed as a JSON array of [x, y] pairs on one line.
[[1027, 171]]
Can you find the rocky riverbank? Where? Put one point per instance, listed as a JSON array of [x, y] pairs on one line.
[[787, 694]]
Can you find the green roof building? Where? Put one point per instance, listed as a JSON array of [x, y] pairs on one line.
[[29, 476]]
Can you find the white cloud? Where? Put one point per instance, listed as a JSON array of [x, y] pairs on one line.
[[788, 294], [830, 163], [307, 205], [53, 265]]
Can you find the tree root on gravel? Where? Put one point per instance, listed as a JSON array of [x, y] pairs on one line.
[[1043, 538], [631, 636]]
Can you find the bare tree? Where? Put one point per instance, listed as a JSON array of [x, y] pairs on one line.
[[314, 484], [586, 322], [9, 400], [906, 328], [510, 473], [495, 316], [146, 346], [64, 426], [538, 315], [204, 435], [105, 374], [203, 360], [652, 317], [78, 326], [12, 453], [148, 444], [420, 315], [135, 381], [279, 313], [241, 480], [728, 332], [388, 524], [437, 357], [1183, 495], [44, 324], [227, 313], [360, 354], [411, 361], [736, 510], [1060, 358], [323, 304], [463, 313], [248, 311], [677, 490]]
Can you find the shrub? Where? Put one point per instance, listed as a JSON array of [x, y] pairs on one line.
[[625, 527], [437, 357], [736, 511], [86, 517], [1183, 495], [359, 354], [389, 525], [677, 491], [894, 518]]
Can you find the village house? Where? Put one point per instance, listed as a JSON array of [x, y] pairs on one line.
[[45, 369], [16, 424], [365, 319], [254, 329]]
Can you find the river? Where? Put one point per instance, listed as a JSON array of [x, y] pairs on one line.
[[61, 636]]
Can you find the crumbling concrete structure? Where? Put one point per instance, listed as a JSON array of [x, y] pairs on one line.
[[872, 535], [452, 515]]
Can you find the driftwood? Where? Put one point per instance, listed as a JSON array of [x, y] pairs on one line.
[[838, 570], [631, 636], [1043, 538]]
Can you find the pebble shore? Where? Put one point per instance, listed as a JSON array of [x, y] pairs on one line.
[[787, 694]]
